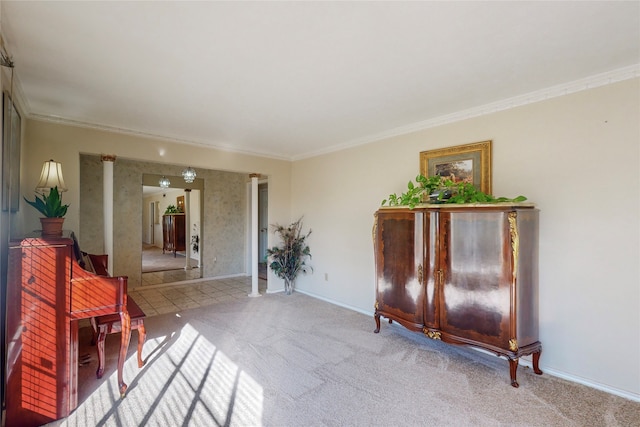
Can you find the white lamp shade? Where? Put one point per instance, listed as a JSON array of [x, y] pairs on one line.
[[51, 176]]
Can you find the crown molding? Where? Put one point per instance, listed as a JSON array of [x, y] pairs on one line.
[[149, 135], [591, 82]]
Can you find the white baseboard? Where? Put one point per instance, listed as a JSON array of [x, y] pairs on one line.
[[334, 302], [590, 383]]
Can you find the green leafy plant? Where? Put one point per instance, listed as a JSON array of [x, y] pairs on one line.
[[436, 189], [50, 206], [288, 259], [171, 209], [415, 193]]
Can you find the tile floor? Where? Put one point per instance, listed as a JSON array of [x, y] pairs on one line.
[[173, 297]]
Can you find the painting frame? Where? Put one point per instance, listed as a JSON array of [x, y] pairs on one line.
[[180, 203], [11, 125], [474, 159]]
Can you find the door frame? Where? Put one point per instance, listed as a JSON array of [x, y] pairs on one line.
[[262, 183]]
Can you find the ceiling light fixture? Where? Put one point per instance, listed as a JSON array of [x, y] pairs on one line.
[[164, 182], [189, 174]]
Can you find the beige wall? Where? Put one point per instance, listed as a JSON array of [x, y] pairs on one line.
[[576, 156], [45, 140]]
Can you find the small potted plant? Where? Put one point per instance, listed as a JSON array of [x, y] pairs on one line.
[[172, 209], [53, 210], [288, 259]]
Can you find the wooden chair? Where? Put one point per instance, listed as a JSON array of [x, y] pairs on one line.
[[110, 324]]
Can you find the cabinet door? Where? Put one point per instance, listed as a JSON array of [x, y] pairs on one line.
[[167, 234], [399, 267], [475, 262], [179, 233]]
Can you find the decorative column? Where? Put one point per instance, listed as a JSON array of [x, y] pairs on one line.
[[187, 224], [254, 235], [107, 201]]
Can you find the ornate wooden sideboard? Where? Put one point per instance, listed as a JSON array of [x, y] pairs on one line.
[[463, 274], [173, 233]]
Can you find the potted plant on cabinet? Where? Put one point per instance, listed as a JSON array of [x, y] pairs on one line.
[[437, 189], [172, 209], [288, 259], [53, 210]]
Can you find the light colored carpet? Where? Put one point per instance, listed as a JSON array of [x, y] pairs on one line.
[[294, 360]]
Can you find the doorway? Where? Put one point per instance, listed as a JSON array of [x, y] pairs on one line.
[[261, 233], [263, 229], [150, 224], [170, 259], [263, 221]]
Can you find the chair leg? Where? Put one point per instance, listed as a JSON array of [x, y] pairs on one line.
[[94, 327], [142, 337], [125, 321], [102, 334]]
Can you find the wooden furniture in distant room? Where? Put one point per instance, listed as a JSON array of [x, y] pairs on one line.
[[49, 293], [173, 233], [463, 274]]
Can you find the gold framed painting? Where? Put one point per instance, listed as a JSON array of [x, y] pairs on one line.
[[180, 203], [462, 163]]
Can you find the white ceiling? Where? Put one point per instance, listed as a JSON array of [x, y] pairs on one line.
[[293, 79]]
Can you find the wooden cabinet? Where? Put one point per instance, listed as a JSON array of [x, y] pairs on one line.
[[173, 233], [462, 274]]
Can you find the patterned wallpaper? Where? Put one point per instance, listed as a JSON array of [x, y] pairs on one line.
[[223, 220]]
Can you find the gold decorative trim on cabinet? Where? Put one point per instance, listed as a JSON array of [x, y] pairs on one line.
[[515, 241], [420, 273], [434, 335], [513, 344], [374, 229]]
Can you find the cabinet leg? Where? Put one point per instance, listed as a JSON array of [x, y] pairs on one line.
[[377, 318], [513, 368], [536, 359]]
